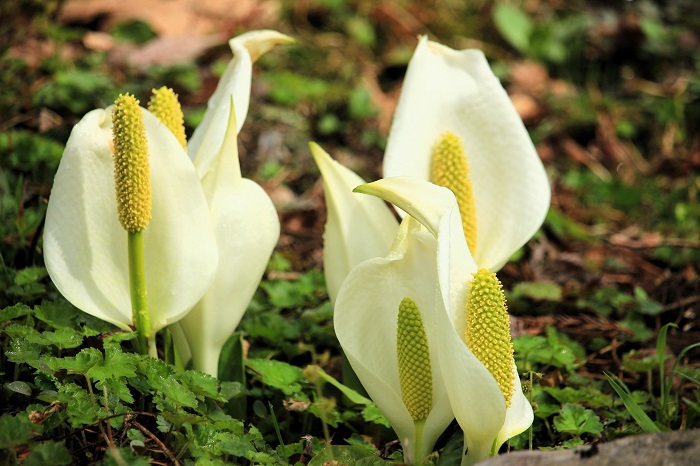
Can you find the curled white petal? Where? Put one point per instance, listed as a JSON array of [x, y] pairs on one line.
[[235, 84], [358, 227]]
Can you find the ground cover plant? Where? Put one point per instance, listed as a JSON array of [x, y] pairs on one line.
[[604, 300]]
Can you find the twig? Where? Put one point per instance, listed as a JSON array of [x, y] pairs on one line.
[[150, 435]]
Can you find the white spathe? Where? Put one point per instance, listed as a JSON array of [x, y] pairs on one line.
[[85, 247], [235, 84], [451, 90], [247, 229], [357, 227], [246, 222], [365, 320], [475, 398]]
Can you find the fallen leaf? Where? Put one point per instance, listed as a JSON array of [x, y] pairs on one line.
[[175, 17]]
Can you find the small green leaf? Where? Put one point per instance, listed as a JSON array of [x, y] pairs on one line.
[[48, 454], [277, 374], [577, 420], [347, 455], [162, 378], [19, 387], [80, 406], [13, 312], [116, 364], [646, 305], [82, 362], [15, 430], [514, 25], [590, 396], [540, 291], [30, 275]]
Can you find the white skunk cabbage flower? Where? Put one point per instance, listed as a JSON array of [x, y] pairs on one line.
[[245, 220], [85, 246], [470, 327], [383, 319], [357, 227], [452, 102]]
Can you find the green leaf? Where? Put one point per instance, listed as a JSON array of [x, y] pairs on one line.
[[201, 384], [589, 395], [13, 312], [277, 374], [20, 351], [577, 420], [15, 430], [646, 305], [48, 454], [370, 413], [82, 362], [62, 314], [162, 378], [540, 291], [30, 275], [232, 371], [80, 406], [126, 456], [118, 387], [347, 455], [634, 409], [19, 387], [514, 25], [116, 364]]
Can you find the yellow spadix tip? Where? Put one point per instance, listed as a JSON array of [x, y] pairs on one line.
[[415, 374], [131, 170], [165, 105], [450, 169], [488, 330]]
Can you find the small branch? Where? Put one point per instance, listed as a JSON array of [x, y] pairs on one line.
[[150, 435]]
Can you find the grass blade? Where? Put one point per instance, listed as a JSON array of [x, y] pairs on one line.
[[634, 409]]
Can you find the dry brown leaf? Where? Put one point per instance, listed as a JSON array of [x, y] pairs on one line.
[[528, 108], [167, 50], [176, 17]]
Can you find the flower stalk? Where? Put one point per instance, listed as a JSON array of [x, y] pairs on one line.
[[133, 191]]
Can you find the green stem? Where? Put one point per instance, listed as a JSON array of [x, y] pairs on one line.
[[137, 285], [419, 424]]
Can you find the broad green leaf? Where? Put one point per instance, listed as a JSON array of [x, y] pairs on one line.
[[163, 379], [116, 364], [48, 454], [347, 455], [577, 420], [13, 312], [81, 362], [541, 291], [15, 430], [62, 314], [514, 25], [19, 387], [30, 275], [277, 374], [80, 406], [590, 396]]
